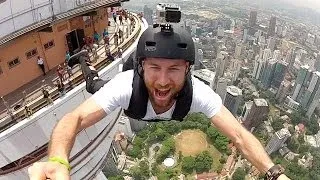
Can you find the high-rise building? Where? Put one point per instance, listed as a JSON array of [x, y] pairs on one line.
[[206, 76], [271, 43], [279, 74], [221, 87], [245, 35], [246, 109], [200, 55], [232, 99], [235, 68], [279, 30], [268, 72], [220, 32], [237, 53], [272, 26], [283, 91], [317, 63], [259, 112], [250, 55], [253, 18], [259, 68], [221, 63], [290, 58], [302, 79], [194, 29], [197, 63], [276, 55], [310, 93], [267, 54], [277, 141], [313, 106], [303, 56]]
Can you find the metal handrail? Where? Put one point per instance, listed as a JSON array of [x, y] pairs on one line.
[[79, 79]]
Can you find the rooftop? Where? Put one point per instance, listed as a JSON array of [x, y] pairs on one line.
[[260, 102], [283, 133], [234, 91], [204, 73]]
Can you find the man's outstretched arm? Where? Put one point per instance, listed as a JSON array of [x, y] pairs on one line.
[[62, 140], [249, 146], [64, 134]]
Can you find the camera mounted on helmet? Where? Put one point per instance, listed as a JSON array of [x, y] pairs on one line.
[[165, 28]]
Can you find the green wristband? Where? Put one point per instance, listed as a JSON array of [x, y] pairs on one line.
[[61, 161]]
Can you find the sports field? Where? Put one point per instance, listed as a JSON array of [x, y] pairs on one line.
[[191, 142]]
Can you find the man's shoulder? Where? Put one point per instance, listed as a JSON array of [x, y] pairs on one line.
[[126, 76], [200, 89]]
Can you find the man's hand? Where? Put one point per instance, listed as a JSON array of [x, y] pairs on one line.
[[48, 170], [283, 177]]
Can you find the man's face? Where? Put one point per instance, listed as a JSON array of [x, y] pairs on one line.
[[164, 78]]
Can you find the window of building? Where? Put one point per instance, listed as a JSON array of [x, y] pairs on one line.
[[48, 45], [32, 53], [13, 63]]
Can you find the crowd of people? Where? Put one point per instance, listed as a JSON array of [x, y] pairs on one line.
[[91, 44]]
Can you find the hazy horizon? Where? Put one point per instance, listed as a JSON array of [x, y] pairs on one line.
[[313, 4]]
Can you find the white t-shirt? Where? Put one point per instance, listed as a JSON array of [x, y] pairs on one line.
[[117, 93], [40, 61]]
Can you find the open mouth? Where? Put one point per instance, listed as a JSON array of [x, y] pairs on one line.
[[161, 94]]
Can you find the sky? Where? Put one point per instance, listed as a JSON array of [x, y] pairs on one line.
[[314, 4]]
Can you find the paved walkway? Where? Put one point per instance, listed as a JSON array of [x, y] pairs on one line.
[[32, 89]]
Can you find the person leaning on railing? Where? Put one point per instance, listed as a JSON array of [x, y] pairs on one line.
[[46, 96]]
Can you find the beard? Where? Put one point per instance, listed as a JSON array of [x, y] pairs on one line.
[[162, 97]]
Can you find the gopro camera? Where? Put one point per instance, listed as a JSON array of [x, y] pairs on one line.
[[168, 13]]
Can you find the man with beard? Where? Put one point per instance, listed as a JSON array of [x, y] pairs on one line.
[[160, 88]]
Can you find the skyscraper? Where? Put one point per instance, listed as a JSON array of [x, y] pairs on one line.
[[283, 91], [277, 141], [317, 63], [220, 32], [272, 26], [276, 55], [221, 87], [253, 18], [232, 99], [246, 109], [266, 54], [271, 43], [290, 58], [310, 93], [221, 63], [268, 72], [197, 63], [259, 68], [259, 112], [301, 82], [237, 53], [279, 73]]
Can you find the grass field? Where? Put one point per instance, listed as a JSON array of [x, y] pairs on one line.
[[193, 142]]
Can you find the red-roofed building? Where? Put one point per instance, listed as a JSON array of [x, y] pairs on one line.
[[207, 176], [300, 128]]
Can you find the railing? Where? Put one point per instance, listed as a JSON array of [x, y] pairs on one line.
[[39, 102], [41, 152]]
